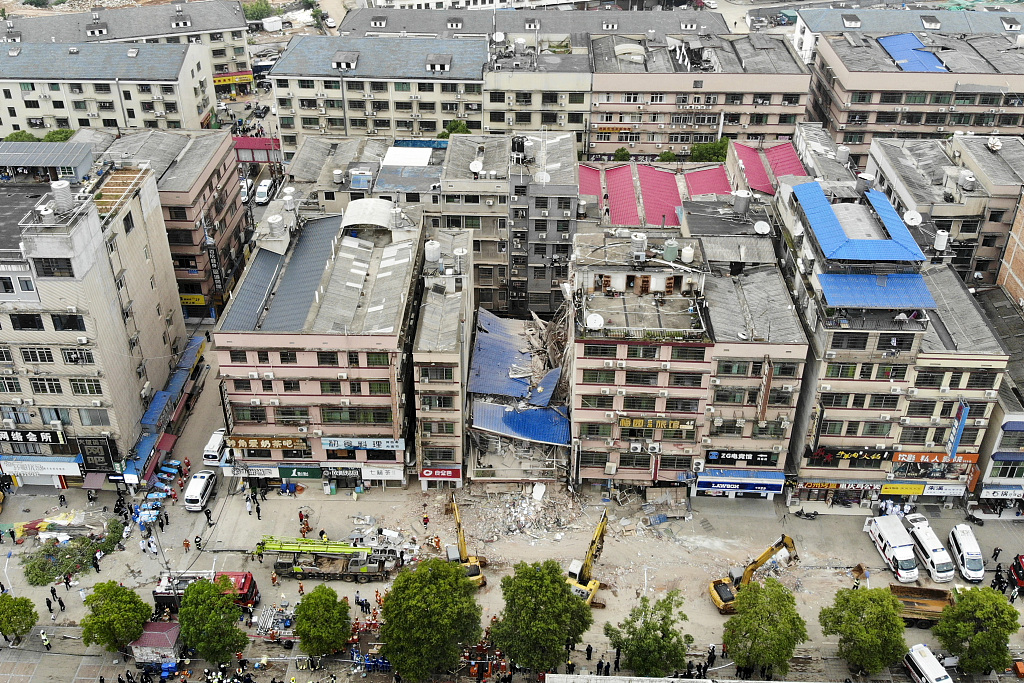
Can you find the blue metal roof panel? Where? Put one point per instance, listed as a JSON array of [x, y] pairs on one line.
[[1013, 426], [1008, 456], [495, 351], [905, 49], [143, 449], [743, 474], [177, 382], [894, 225], [546, 386], [541, 425], [191, 353], [156, 409], [904, 290], [252, 292], [297, 290]]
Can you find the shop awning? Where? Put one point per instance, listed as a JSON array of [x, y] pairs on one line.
[[1008, 456], [94, 480], [166, 443], [715, 473], [1013, 426], [1003, 487]]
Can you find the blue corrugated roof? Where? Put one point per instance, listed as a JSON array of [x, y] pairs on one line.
[[143, 449], [45, 458], [297, 291], [156, 409], [495, 352], [902, 290], [905, 49], [251, 293], [836, 244], [742, 474], [176, 383], [188, 358], [542, 425], [542, 394]]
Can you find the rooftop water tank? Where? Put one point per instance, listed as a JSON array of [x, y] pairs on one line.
[[671, 249], [432, 251], [686, 254]]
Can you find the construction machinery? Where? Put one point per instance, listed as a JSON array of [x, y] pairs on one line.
[[922, 607], [723, 591], [579, 575], [273, 544], [458, 553], [331, 567]]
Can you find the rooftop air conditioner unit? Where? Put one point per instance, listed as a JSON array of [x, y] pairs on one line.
[[830, 354], [904, 420], [943, 390], [895, 390], [715, 380], [697, 464], [885, 417], [344, 375], [776, 449], [274, 401], [825, 387], [991, 393], [303, 430], [344, 402], [663, 392], [83, 340], [268, 375], [654, 448], [620, 364], [979, 423], [609, 364], [666, 366], [705, 440], [620, 392]]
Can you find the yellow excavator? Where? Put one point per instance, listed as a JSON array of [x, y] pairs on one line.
[[723, 591], [579, 578], [458, 553]]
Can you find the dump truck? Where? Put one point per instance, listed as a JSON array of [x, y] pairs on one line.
[[358, 568], [921, 607], [723, 591]]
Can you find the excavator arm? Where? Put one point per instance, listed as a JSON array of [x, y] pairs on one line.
[[460, 534], [594, 551], [783, 542]]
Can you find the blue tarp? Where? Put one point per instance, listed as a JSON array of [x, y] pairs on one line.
[[435, 144], [906, 50], [541, 425], [154, 414], [836, 244], [496, 352], [191, 354], [855, 290]]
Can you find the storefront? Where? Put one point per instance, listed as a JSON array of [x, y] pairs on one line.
[[741, 483], [1005, 492], [343, 477], [384, 475], [931, 475], [837, 491], [234, 82], [441, 477], [735, 457], [41, 471]]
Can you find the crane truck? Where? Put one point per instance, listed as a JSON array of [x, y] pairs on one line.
[[459, 553], [579, 575], [723, 591]]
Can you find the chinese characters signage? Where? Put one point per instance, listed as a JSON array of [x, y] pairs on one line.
[[733, 457], [935, 458], [276, 442], [31, 436], [98, 453], [343, 444], [441, 473], [218, 274], [957, 432], [828, 455], [654, 423]]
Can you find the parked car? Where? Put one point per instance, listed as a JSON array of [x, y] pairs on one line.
[[265, 191], [246, 191], [330, 23], [260, 112], [711, 4]]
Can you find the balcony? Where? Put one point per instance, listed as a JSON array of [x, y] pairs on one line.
[[871, 319]]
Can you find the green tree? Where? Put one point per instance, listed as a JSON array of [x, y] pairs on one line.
[[62, 135], [257, 9], [454, 127], [621, 154], [321, 622], [710, 151], [766, 628], [21, 136], [17, 616], [977, 629], [668, 157], [116, 616], [869, 627], [430, 612], [207, 617], [541, 615], [651, 642]]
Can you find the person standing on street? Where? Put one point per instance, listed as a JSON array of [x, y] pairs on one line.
[[61, 603], [160, 523], [95, 565], [199, 543], [186, 544], [1013, 594], [426, 521], [258, 512], [46, 641], [995, 553], [248, 505], [209, 516], [49, 605], [62, 501], [590, 651], [53, 592]]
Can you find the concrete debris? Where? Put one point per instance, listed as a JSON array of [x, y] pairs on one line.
[[535, 512]]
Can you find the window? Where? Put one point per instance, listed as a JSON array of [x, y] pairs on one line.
[[897, 373], [730, 367], [588, 459], [857, 341], [599, 377], [242, 385], [929, 379], [638, 403], [437, 374], [900, 342], [1012, 440], [37, 355], [45, 385], [693, 353], [771, 430], [93, 417], [645, 352], [841, 370], [635, 461], [884, 401], [26, 321], [53, 267], [832, 427], [682, 405], [67, 322], [86, 387], [5, 355], [727, 428], [238, 356], [778, 397], [921, 408], [289, 358], [730, 395], [834, 400], [684, 379], [380, 388], [290, 385], [876, 429], [981, 380], [436, 401], [597, 401], [48, 415], [9, 386], [914, 435], [330, 387], [250, 413], [329, 358], [377, 359]]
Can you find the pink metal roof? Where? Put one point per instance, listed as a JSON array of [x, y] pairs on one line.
[[256, 143], [158, 634], [753, 169], [709, 181], [661, 195], [621, 196], [784, 161], [590, 183]]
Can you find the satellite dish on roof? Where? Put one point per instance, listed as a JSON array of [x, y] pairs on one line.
[[542, 177], [461, 251], [476, 166], [762, 228], [595, 321], [912, 218]]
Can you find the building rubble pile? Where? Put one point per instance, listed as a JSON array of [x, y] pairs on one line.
[[510, 514], [86, 5]]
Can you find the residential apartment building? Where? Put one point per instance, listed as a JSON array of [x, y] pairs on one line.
[[916, 86], [50, 85], [91, 321], [217, 24], [965, 190], [903, 369], [441, 359], [207, 225], [315, 363], [365, 86]]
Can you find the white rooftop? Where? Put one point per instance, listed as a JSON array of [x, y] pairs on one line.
[[407, 156]]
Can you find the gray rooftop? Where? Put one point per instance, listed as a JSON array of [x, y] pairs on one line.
[[440, 308], [94, 61], [296, 292], [251, 294], [140, 21], [827, 20], [957, 322], [718, 218], [818, 153], [1005, 317], [919, 164], [755, 304], [738, 248], [753, 53], [552, 152], [18, 201], [311, 56], [177, 158], [71, 154], [1004, 166], [494, 151], [97, 138], [575, 23], [974, 54]]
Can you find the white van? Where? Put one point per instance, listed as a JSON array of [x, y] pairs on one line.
[[924, 667], [245, 191], [894, 545], [933, 556], [214, 448], [263, 192], [201, 487], [966, 552]]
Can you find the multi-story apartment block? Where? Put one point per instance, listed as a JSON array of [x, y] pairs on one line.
[[916, 86], [365, 86], [217, 24], [315, 363], [903, 369], [207, 226], [47, 85], [441, 359], [91, 322], [965, 189]]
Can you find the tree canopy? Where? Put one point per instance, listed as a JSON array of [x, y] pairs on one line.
[[621, 154], [21, 135], [667, 156], [454, 127], [541, 615], [650, 638], [17, 615], [59, 135], [429, 614], [977, 629], [710, 151], [766, 628], [257, 9], [208, 619], [116, 616], [321, 622], [869, 627]]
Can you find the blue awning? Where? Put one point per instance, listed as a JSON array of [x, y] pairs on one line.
[[1013, 426], [77, 459], [757, 481], [1008, 456], [144, 449], [715, 473], [895, 291], [191, 353], [542, 425], [153, 414]]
